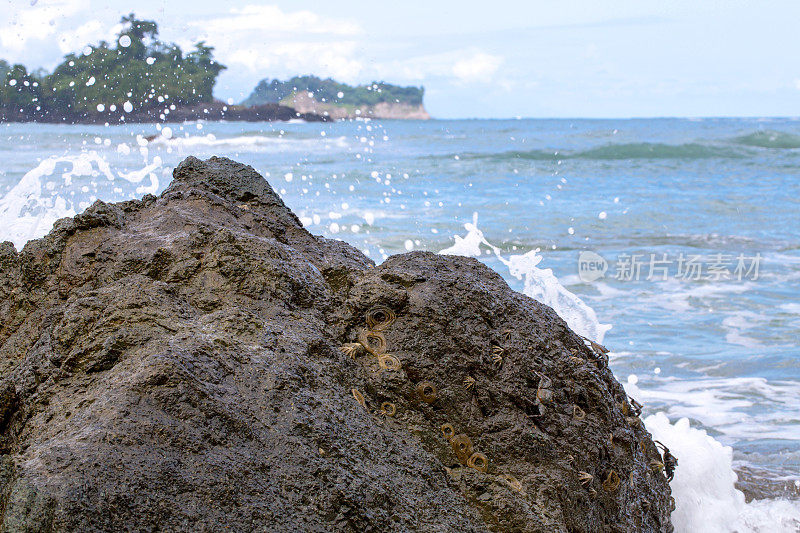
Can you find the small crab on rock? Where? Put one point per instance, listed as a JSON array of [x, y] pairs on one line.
[[670, 461]]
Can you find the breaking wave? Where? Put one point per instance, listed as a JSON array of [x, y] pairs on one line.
[[644, 150], [706, 498], [770, 139], [248, 143]]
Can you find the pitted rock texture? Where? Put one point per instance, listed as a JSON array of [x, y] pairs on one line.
[[174, 364]]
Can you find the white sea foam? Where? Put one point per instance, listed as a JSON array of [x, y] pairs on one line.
[[540, 283], [739, 408], [791, 308], [738, 323], [253, 143], [682, 296], [706, 500], [30, 208]]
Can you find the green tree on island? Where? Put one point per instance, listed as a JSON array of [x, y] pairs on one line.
[[331, 91], [21, 91], [139, 72]]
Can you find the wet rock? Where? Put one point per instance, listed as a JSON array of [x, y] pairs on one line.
[[176, 363]]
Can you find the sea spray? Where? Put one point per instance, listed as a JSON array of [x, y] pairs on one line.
[[540, 283], [30, 208], [706, 500]]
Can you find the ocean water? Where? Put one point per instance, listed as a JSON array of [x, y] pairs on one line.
[[695, 223]]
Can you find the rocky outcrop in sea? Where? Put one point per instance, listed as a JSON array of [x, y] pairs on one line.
[[198, 361], [209, 111], [382, 110]]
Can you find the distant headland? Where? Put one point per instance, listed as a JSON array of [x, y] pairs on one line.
[[330, 98], [142, 79]]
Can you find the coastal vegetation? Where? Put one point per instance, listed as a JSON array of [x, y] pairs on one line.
[[333, 92], [137, 72], [139, 78]]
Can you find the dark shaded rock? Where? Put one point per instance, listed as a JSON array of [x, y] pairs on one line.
[[173, 364], [216, 110]]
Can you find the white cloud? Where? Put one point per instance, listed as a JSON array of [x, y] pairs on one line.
[[479, 67], [87, 33], [26, 23], [39, 33], [268, 20], [465, 65], [417, 68], [335, 59], [271, 42]]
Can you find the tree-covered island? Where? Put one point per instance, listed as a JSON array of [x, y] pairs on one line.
[[139, 78], [328, 90], [339, 100], [136, 75]]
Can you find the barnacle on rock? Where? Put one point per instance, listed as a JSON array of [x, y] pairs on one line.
[[632, 421], [448, 431], [611, 483], [379, 318], [585, 478], [462, 446], [512, 482], [576, 360], [469, 383], [351, 349], [389, 362], [544, 392], [359, 397], [372, 341], [507, 334], [478, 461], [578, 413], [388, 409], [427, 391], [497, 356]]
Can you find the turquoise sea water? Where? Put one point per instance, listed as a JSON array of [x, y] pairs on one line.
[[721, 352]]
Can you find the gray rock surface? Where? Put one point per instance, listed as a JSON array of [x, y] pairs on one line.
[[176, 363]]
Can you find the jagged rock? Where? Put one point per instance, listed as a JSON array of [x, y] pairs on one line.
[[174, 363]]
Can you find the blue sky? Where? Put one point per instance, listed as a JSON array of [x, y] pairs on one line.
[[475, 59]]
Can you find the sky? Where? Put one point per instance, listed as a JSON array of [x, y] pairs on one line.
[[476, 59]]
